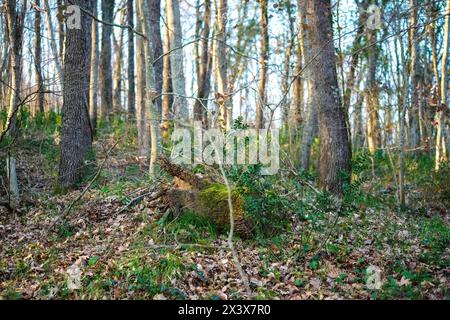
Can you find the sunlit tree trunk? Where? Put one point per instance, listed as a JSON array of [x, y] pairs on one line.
[[141, 118], [131, 100], [335, 153], [263, 60], [150, 89], [76, 134], [93, 88], [157, 45], [117, 71], [372, 99], [180, 104], [414, 130], [220, 65], [440, 135]]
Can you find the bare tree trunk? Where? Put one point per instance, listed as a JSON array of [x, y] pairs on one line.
[[143, 132], [38, 59], [204, 70], [335, 153], [263, 60], [150, 91], [180, 104], [372, 100], [76, 134], [220, 65], [167, 88], [117, 78], [93, 87], [15, 19], [130, 67], [61, 31], [158, 66], [441, 155], [287, 68], [106, 84], [296, 107], [414, 132], [358, 127], [51, 35]]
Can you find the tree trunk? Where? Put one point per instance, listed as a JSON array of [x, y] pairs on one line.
[[38, 59], [61, 31], [335, 154], [441, 155], [51, 35], [263, 60], [106, 84], [414, 132], [167, 98], [180, 104], [204, 70], [130, 67], [76, 135], [158, 66], [150, 88], [372, 99], [117, 78], [15, 17], [93, 88], [143, 132]]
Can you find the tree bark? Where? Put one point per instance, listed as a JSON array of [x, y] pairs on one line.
[[150, 88], [93, 87], [117, 74], [76, 134], [131, 101], [263, 60], [180, 104], [335, 154], [414, 132], [142, 129], [38, 59], [51, 35], [204, 70], [441, 155], [157, 45], [15, 19], [106, 84]]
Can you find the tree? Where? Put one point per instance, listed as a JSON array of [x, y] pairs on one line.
[[204, 70], [414, 132], [157, 46], [15, 19], [440, 135], [117, 71], [38, 58], [141, 118], [106, 85], [180, 105], [372, 99], [150, 91], [220, 65], [263, 60], [130, 65], [76, 134], [51, 34], [335, 153], [93, 101]]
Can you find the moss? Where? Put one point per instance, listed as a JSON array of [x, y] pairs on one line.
[[214, 199]]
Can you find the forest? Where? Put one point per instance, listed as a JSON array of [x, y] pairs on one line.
[[224, 150]]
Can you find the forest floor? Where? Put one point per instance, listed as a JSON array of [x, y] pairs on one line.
[[100, 251]]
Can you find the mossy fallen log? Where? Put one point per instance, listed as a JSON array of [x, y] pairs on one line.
[[205, 197]]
